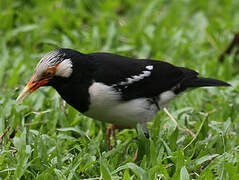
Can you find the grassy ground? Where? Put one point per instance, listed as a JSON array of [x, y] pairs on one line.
[[45, 140]]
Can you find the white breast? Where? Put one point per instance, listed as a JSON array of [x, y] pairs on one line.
[[107, 106], [165, 97]]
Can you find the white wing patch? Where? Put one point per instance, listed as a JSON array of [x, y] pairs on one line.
[[149, 67], [134, 78]]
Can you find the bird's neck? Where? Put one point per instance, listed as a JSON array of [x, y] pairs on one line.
[[74, 90], [76, 94]]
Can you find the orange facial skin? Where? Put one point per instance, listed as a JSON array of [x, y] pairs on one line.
[[34, 84]]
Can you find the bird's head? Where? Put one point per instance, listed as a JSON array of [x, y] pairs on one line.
[[55, 64]]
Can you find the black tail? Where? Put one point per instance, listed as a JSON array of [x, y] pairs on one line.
[[202, 82]]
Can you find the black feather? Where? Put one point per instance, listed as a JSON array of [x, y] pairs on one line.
[[111, 69]]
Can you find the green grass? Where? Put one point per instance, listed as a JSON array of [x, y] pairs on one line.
[[44, 142]]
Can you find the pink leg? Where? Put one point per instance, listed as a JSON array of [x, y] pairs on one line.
[[111, 132]]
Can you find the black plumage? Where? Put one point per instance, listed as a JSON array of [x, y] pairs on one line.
[[112, 88], [112, 69]]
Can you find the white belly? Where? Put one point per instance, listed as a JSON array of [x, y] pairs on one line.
[[124, 113], [106, 106]]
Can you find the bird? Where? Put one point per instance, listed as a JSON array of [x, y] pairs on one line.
[[119, 90]]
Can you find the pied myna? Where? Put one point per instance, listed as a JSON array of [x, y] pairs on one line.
[[111, 88]]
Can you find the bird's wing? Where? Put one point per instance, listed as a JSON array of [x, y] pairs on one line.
[[136, 78]]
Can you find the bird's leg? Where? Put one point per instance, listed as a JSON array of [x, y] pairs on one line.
[[111, 132], [113, 135], [145, 130], [108, 134]]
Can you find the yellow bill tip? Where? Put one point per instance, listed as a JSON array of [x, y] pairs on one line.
[[25, 92]]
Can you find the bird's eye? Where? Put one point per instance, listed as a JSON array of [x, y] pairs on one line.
[[49, 73]]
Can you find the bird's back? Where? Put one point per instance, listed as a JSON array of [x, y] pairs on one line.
[[136, 78]]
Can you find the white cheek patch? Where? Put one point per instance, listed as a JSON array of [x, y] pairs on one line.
[[64, 69]]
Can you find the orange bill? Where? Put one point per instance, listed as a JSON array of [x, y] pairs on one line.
[[31, 86]]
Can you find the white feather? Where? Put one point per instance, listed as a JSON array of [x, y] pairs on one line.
[[135, 78], [146, 73], [149, 67], [64, 69], [165, 97], [107, 106], [40, 70]]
